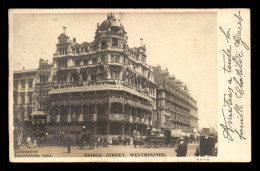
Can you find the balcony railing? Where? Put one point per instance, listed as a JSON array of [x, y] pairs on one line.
[[104, 85]]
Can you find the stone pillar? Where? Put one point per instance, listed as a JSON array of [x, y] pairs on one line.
[[19, 85], [108, 74], [81, 109], [121, 75], [26, 84], [109, 58], [80, 77], [123, 127], [88, 77], [108, 128], [26, 118]]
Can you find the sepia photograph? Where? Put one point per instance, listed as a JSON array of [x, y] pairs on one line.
[[115, 85]]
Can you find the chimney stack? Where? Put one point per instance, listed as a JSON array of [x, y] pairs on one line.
[[141, 39], [74, 39], [64, 30]]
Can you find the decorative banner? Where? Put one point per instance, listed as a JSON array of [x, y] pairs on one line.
[[81, 118], [131, 119], [69, 118], [58, 118], [48, 118], [94, 117]]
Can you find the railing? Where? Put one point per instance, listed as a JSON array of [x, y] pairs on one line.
[[88, 86]]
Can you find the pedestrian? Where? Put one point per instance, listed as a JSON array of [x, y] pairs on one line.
[[68, 143], [181, 149]]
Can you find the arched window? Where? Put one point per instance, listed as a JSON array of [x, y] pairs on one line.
[[103, 45]]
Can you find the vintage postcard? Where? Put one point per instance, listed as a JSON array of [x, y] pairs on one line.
[[129, 85]]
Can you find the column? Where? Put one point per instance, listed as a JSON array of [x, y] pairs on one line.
[[26, 100], [123, 127], [26, 118], [107, 127], [81, 109], [26, 84], [88, 77], [19, 85], [108, 74], [109, 58], [121, 75]]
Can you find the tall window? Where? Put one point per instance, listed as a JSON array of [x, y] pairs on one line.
[[15, 98], [85, 62], [103, 45], [86, 48], [114, 75], [115, 41], [15, 84], [30, 83], [62, 63], [63, 51], [77, 63], [93, 76], [103, 58], [115, 58], [30, 97], [77, 50], [23, 98], [43, 78], [94, 61], [23, 83]]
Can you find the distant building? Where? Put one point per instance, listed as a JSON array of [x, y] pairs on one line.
[[43, 84], [23, 98], [175, 106]]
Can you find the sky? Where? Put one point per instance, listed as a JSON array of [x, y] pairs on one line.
[[185, 43]]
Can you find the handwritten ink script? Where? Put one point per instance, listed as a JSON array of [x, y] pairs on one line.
[[233, 55]]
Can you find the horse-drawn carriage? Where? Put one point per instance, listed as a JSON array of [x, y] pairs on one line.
[[207, 146], [86, 139]]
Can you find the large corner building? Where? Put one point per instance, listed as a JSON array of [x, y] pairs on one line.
[[104, 85]]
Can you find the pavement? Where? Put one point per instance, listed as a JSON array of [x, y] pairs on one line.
[[110, 151]]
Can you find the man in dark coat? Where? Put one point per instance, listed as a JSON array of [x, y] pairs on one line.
[[181, 149]]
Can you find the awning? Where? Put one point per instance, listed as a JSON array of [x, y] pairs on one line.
[[38, 113]]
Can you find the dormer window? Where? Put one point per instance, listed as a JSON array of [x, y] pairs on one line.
[[77, 50], [115, 42], [86, 49], [63, 51]]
